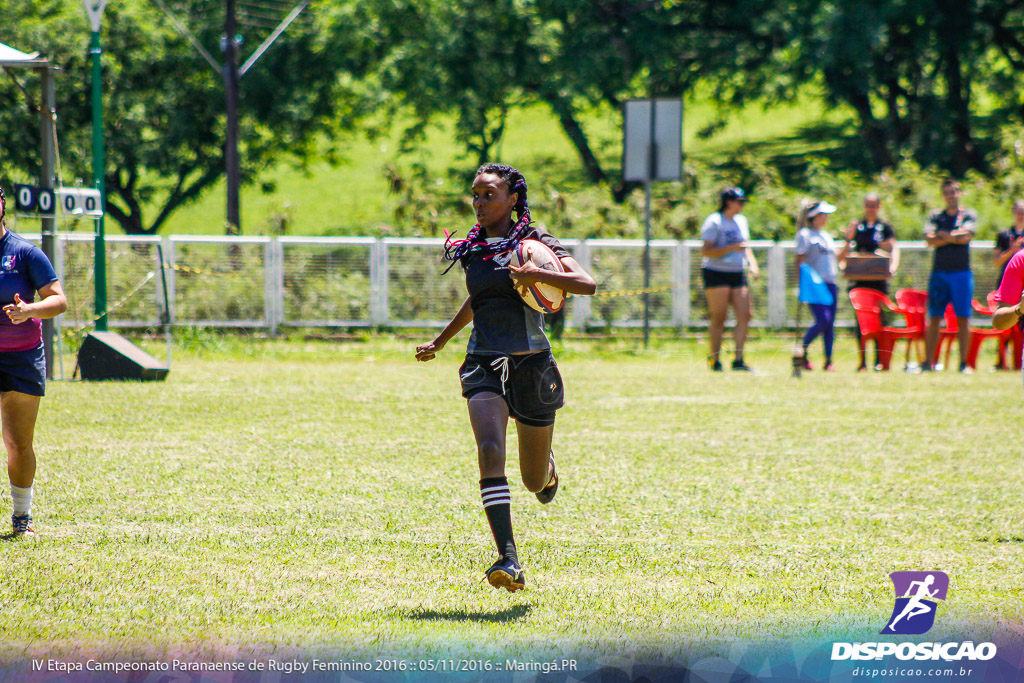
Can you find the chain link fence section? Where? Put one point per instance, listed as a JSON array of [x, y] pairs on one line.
[[266, 283], [618, 266], [417, 293], [222, 282], [328, 282]]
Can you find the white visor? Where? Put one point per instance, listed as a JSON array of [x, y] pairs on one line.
[[821, 207]]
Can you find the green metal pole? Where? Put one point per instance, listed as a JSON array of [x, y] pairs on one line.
[[100, 252]]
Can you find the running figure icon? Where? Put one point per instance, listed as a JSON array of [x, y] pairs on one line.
[[915, 605], [917, 594]]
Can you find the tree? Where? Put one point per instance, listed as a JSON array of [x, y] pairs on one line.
[[913, 71], [454, 57], [602, 52], [164, 105]]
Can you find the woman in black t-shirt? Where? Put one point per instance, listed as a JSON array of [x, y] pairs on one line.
[[509, 370], [869, 236]]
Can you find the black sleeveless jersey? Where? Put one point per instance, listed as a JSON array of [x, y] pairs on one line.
[[502, 322]]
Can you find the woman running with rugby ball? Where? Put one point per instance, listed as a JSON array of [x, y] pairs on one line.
[[24, 270], [509, 369]]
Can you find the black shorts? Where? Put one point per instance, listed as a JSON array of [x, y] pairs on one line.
[[531, 384], [23, 371], [720, 278]]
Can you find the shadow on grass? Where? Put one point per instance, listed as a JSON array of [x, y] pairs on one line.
[[11, 536], [505, 616], [1001, 539]]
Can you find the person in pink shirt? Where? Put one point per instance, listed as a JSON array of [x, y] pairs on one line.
[[1008, 311]]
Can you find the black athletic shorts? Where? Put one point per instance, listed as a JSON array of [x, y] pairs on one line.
[[530, 384], [720, 278]]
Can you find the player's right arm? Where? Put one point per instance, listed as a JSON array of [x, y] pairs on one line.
[[709, 232], [711, 251], [425, 352]]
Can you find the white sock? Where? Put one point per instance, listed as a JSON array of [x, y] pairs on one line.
[[22, 500]]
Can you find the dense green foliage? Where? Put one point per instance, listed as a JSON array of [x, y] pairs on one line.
[[921, 84]]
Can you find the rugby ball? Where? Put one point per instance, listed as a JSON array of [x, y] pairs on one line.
[[539, 296]]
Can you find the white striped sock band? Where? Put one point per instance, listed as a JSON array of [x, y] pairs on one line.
[[496, 495]]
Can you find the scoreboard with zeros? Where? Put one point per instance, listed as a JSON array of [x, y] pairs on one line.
[[72, 202]]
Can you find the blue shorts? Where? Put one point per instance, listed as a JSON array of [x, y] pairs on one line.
[[950, 287], [23, 371]]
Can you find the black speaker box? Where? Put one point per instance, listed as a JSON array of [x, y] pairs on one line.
[[106, 355]]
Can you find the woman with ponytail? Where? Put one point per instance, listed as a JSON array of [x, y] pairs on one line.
[[816, 248], [509, 370], [24, 270]]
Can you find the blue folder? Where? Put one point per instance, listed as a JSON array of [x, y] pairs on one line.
[[814, 290]]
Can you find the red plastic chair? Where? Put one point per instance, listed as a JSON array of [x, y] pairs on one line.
[[978, 335], [867, 303], [1005, 337], [947, 334], [914, 304]]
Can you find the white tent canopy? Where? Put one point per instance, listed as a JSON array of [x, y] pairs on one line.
[[8, 55]]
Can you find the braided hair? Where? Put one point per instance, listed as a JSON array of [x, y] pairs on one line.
[[475, 242], [3, 206]]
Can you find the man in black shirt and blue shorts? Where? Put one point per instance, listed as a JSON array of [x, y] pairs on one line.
[[949, 232]]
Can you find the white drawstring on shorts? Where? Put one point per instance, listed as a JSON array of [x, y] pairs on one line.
[[501, 363]]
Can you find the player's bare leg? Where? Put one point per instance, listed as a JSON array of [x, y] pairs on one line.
[[536, 464], [18, 414], [488, 414], [718, 309]]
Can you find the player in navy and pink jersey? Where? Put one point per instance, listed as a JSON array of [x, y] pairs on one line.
[[24, 270], [509, 370]]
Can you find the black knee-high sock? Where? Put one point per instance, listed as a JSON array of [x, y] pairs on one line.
[[498, 505]]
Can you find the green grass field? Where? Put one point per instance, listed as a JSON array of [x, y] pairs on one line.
[[283, 497]]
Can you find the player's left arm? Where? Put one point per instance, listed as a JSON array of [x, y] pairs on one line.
[[1005, 317], [52, 303], [574, 280]]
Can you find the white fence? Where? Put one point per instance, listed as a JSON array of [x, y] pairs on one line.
[[348, 282]]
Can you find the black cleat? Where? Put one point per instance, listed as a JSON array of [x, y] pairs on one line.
[[506, 573], [547, 494]]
